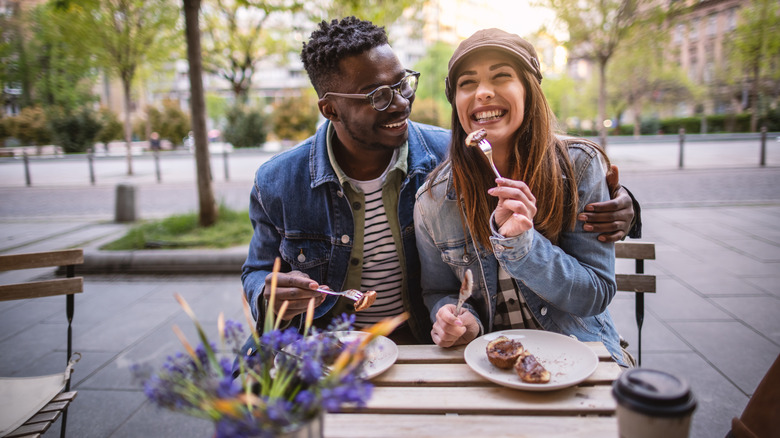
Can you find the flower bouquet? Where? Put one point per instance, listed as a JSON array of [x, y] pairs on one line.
[[288, 382]]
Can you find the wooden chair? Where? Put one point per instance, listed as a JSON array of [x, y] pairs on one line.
[[639, 283], [39, 422]]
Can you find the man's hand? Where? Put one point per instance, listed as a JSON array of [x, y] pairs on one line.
[[613, 218], [450, 330], [297, 289]]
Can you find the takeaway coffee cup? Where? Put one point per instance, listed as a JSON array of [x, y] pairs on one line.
[[652, 403]]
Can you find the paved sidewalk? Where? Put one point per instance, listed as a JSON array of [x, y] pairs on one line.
[[713, 321]]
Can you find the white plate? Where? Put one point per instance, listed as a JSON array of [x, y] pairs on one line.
[[381, 353], [568, 360]]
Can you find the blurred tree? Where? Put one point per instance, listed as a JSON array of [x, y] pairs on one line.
[[563, 95], [216, 108], [61, 75], [31, 126], [124, 35], [295, 117], [235, 38], [14, 77], [208, 213], [40, 61], [171, 122], [642, 76], [430, 91], [111, 127], [754, 49], [379, 12], [596, 29]]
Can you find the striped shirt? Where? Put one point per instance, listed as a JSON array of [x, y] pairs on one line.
[[512, 311], [381, 265]]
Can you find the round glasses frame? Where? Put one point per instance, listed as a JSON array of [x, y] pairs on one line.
[[411, 78]]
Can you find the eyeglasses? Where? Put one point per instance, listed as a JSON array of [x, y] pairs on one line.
[[382, 97]]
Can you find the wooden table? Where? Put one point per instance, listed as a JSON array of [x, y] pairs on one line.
[[431, 392]]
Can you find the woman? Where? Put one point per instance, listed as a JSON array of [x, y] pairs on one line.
[[534, 266]]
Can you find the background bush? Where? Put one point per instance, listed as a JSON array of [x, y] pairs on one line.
[[295, 117], [75, 131], [245, 127]]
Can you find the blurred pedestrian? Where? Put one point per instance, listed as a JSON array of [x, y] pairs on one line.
[[154, 142]]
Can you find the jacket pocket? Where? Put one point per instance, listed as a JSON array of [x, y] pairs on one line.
[[457, 255], [308, 256]]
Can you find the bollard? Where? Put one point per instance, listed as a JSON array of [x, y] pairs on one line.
[[125, 203], [682, 141], [763, 146], [26, 168], [225, 159], [157, 166], [90, 161]]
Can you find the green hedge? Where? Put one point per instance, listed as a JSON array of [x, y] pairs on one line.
[[716, 123]]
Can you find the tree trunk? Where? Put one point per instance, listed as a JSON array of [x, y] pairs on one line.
[[637, 118], [128, 125], [602, 102], [208, 206], [754, 99]]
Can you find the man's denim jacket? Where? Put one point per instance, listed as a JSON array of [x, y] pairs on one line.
[[300, 213], [567, 287]]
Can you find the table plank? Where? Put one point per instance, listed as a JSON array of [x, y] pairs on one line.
[[450, 374], [454, 426], [430, 354], [495, 400], [436, 354]]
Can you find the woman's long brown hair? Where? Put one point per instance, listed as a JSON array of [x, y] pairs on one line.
[[539, 159]]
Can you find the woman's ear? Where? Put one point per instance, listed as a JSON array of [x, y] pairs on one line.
[[328, 110]]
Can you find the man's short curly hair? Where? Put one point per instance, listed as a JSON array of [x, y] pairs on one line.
[[333, 42]]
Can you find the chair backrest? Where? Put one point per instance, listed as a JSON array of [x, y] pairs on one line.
[[68, 258], [69, 285], [637, 282]]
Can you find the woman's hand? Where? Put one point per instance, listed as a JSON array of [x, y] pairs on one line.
[[297, 289], [450, 329], [516, 207]]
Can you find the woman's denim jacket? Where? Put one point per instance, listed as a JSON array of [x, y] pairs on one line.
[[567, 287], [300, 213]]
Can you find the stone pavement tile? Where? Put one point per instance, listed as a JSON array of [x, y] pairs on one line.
[[714, 284], [23, 352], [760, 313], [742, 355], [78, 237], [769, 283], [16, 233], [718, 400], [755, 248], [20, 315], [207, 295], [150, 351], [674, 301], [98, 414], [149, 421], [124, 326]]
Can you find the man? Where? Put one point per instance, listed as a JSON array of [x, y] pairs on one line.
[[337, 209]]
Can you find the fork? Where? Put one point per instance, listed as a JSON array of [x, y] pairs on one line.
[[484, 146], [352, 294]]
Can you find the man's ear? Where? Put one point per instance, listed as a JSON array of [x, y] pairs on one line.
[[328, 110]]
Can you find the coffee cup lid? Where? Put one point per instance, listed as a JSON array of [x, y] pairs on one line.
[[654, 392]]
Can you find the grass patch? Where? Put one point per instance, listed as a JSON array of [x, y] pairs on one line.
[[183, 231]]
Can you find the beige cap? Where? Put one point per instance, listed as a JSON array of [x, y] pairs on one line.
[[493, 39]]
